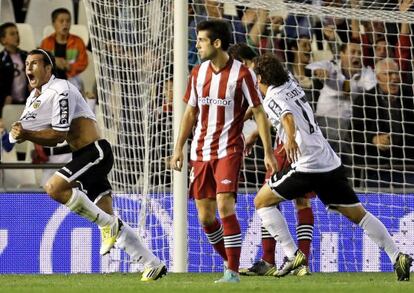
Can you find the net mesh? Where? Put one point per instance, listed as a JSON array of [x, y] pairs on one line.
[[132, 45]]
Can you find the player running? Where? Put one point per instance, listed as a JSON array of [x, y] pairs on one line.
[[315, 167], [56, 111]]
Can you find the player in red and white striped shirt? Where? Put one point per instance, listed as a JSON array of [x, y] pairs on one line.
[[218, 94]]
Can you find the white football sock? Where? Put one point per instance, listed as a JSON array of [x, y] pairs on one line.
[[377, 232], [275, 223], [80, 204], [129, 241]]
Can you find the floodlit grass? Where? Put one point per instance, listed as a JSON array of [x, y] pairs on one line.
[[114, 283]]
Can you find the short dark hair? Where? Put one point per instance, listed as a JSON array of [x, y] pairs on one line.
[[5, 26], [271, 70], [58, 11], [48, 57], [242, 51], [294, 43], [217, 29]]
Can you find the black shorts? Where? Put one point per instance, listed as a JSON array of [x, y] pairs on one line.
[[90, 167], [332, 187]]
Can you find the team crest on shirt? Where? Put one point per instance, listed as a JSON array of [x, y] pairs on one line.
[[36, 105]]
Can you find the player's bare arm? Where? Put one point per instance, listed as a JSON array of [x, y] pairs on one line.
[[47, 137], [186, 126], [290, 145], [263, 128]]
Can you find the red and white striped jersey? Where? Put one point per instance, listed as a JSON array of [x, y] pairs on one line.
[[222, 99]]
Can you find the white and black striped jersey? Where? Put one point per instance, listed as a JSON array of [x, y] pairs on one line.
[[316, 155], [57, 105]]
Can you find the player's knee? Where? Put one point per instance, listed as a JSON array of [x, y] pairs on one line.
[[226, 204], [265, 198], [354, 214], [261, 201], [206, 220], [56, 191], [52, 190], [302, 203]]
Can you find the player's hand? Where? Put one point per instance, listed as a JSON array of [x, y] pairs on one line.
[[270, 163], [17, 131], [176, 162], [292, 150], [249, 143]]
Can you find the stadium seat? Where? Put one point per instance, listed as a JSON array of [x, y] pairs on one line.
[[27, 41], [17, 178], [39, 14], [82, 19], [77, 29], [6, 11], [88, 75]]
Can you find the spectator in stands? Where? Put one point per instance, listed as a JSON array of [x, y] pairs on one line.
[[332, 29], [13, 81], [299, 55], [298, 24], [382, 125], [375, 34], [266, 33], [330, 33], [343, 79], [200, 10], [69, 50]]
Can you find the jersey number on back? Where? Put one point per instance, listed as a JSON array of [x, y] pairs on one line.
[[301, 102]]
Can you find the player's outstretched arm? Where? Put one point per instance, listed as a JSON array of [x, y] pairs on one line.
[[186, 126], [263, 128]]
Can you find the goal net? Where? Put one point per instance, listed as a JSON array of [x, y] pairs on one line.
[[132, 48], [333, 48]]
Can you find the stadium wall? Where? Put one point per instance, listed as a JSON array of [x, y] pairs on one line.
[[39, 236]]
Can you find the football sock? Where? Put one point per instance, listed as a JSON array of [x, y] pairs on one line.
[[268, 246], [80, 204], [377, 232], [129, 241], [304, 230], [214, 235], [275, 223], [232, 241]]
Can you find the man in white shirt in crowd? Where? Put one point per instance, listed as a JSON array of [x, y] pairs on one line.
[[343, 79]]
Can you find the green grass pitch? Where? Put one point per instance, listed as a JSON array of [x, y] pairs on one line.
[[197, 282]]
